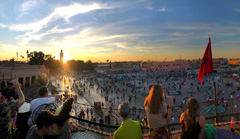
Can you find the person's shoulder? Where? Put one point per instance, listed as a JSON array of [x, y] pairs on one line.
[[32, 133], [118, 131], [11, 103], [136, 123], [43, 99], [36, 100], [202, 121], [182, 116]]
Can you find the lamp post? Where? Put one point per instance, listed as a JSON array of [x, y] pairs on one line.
[[27, 56]]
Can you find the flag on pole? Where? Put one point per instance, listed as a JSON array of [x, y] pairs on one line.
[[207, 62]]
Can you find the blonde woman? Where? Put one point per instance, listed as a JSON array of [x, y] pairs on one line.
[[157, 113], [193, 125]]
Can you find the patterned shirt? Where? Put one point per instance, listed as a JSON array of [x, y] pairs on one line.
[[8, 109]]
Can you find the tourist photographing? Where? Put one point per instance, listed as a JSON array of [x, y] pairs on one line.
[[8, 110], [157, 112], [43, 99], [192, 123], [129, 129]]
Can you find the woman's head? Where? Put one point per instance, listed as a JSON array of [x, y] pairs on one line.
[[193, 106], [193, 110], [63, 116], [154, 99]]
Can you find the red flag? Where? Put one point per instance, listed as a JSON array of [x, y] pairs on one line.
[[207, 62]]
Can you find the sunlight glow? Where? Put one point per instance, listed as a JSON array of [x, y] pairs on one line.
[[66, 57]]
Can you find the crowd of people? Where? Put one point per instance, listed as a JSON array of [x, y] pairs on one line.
[[42, 123], [158, 108], [158, 115]]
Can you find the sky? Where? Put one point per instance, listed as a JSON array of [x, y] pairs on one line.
[[120, 30]]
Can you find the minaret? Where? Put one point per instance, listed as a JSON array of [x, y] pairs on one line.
[[61, 56]]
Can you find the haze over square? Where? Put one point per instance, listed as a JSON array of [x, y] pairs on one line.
[[120, 30]]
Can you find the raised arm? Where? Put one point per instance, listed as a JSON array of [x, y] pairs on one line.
[[57, 97], [169, 110], [21, 98]]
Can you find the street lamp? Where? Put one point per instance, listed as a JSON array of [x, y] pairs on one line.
[[27, 56]]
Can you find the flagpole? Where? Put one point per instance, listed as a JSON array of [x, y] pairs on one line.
[[215, 99], [207, 67]]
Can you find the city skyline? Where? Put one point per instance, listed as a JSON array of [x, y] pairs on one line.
[[139, 30]]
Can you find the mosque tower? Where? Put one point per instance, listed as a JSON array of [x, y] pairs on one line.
[[61, 56]]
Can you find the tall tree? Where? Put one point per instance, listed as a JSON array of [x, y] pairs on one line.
[[36, 58], [53, 65]]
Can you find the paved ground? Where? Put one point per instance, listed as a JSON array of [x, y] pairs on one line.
[[143, 79]]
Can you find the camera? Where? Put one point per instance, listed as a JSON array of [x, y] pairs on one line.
[[167, 98]]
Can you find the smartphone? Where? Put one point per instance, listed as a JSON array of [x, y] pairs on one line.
[[167, 98]]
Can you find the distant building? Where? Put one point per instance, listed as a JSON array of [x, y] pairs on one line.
[[61, 56], [118, 67], [165, 66], [234, 61], [25, 74]]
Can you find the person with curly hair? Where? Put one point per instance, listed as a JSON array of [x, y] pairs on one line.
[[192, 123], [157, 113]]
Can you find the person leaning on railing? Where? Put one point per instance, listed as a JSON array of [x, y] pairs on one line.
[[192, 123], [129, 129], [157, 112]]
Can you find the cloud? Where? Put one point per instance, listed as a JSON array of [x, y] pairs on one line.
[[60, 13], [26, 38], [26, 6], [8, 50], [110, 37], [188, 27], [141, 0], [2, 25], [149, 7], [164, 10], [237, 10], [181, 34]]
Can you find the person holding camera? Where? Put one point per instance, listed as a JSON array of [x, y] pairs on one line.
[[43, 99], [8, 110], [157, 112]]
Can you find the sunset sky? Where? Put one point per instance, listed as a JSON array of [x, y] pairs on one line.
[[120, 30]]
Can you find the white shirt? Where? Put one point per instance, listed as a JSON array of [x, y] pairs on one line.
[[37, 102]]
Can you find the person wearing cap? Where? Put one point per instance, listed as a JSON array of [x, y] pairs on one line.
[[43, 99], [8, 109]]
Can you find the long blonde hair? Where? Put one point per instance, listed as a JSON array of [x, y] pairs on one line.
[[193, 110], [154, 99]]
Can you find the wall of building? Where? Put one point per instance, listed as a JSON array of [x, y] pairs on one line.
[[234, 61], [24, 73], [165, 66]]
